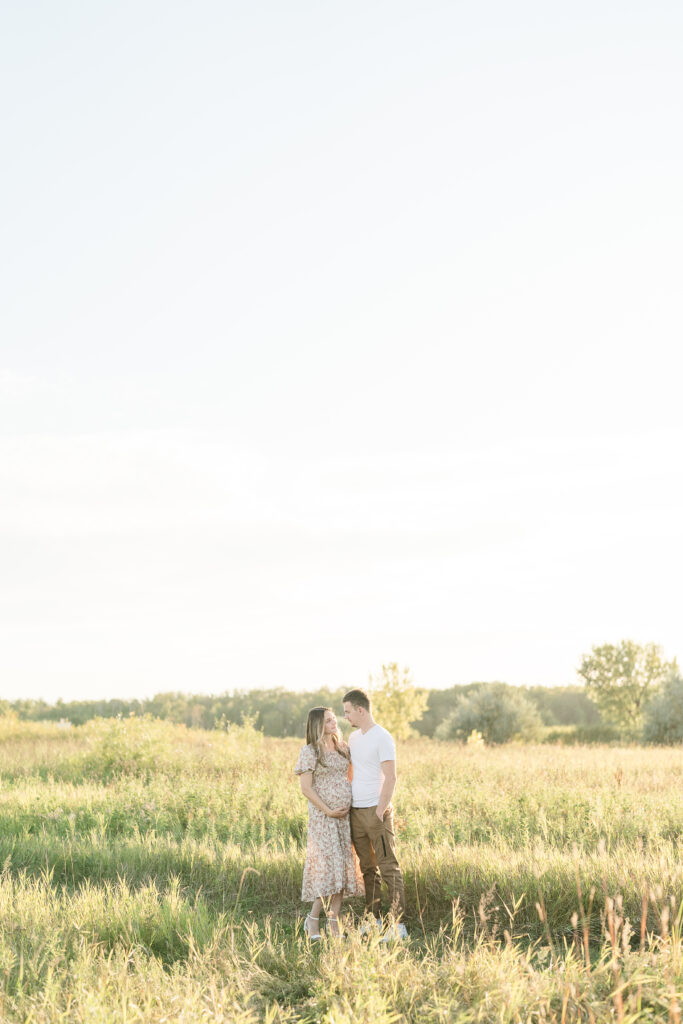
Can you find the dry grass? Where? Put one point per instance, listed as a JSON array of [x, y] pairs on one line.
[[152, 874]]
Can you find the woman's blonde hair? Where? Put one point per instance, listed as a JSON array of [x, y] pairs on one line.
[[315, 733]]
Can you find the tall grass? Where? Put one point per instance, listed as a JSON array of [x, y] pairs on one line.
[[152, 873]]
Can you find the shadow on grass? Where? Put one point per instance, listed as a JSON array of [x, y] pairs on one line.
[[494, 893]]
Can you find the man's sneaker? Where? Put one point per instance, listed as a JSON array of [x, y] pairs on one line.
[[395, 932], [369, 926]]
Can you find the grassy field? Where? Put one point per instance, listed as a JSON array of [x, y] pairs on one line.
[[151, 873]]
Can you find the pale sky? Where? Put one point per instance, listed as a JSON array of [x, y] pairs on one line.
[[337, 334]]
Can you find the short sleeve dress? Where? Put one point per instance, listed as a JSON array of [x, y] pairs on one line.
[[331, 862]]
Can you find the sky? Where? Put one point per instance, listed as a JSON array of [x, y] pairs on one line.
[[334, 335]]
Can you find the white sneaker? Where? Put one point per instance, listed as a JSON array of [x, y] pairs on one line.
[[395, 932]]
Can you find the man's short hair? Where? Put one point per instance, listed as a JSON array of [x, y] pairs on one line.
[[358, 698]]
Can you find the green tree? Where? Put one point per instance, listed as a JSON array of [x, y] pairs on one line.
[[664, 714], [498, 711], [440, 704], [396, 703], [621, 678], [563, 705]]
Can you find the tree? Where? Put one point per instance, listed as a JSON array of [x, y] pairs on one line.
[[396, 703], [440, 703], [664, 713], [498, 711], [563, 705], [622, 678]]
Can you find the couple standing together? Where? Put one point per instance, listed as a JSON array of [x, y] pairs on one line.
[[349, 790]]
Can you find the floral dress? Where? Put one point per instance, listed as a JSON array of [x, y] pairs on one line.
[[331, 862]]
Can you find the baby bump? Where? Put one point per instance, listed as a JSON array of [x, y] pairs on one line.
[[336, 792]]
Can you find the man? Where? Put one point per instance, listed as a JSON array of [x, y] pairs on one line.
[[373, 756]]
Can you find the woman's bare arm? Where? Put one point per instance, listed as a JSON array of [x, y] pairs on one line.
[[306, 783]]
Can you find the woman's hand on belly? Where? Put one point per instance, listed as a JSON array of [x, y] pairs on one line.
[[341, 812]]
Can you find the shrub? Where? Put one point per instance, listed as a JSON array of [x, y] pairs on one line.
[[664, 714], [499, 712], [129, 746]]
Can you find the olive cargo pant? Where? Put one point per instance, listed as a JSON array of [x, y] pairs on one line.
[[375, 846]]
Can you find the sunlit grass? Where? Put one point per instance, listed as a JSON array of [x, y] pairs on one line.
[[153, 873]]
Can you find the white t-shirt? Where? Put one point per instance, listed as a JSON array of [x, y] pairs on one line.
[[368, 750]]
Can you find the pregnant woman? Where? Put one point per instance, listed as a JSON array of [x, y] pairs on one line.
[[331, 870]]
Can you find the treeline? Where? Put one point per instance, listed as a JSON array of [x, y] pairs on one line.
[[279, 712], [556, 706]]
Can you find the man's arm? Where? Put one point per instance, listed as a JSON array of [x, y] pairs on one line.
[[388, 787]]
